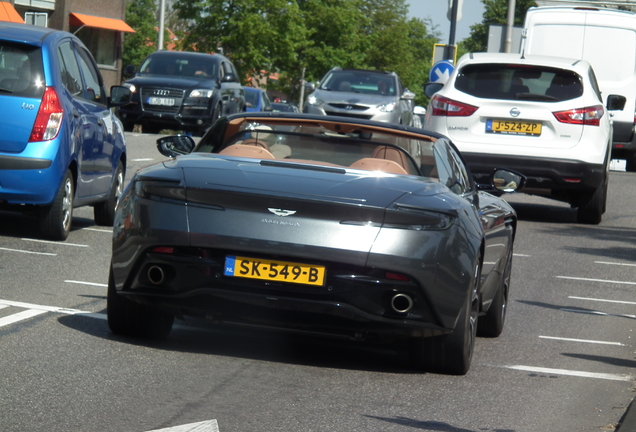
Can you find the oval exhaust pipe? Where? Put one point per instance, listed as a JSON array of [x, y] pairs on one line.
[[401, 303], [156, 275]]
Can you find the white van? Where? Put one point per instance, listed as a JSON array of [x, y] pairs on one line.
[[606, 38]]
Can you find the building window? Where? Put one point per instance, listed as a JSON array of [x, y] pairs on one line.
[[101, 43], [39, 19]]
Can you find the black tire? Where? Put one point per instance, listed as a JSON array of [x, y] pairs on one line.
[[492, 323], [451, 353], [592, 205], [128, 318], [630, 162], [104, 212], [55, 220]]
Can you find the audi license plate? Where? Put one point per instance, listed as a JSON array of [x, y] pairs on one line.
[[280, 271], [513, 127], [160, 101]]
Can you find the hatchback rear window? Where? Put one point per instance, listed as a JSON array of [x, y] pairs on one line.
[[21, 71], [519, 82]]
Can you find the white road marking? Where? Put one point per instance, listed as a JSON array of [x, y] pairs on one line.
[[143, 159], [614, 263], [582, 340], [29, 313], [597, 280], [590, 312], [86, 283], [520, 255], [605, 376], [98, 230], [603, 300], [28, 252], [204, 426], [55, 242]]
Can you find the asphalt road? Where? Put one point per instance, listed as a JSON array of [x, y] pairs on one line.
[[564, 362]]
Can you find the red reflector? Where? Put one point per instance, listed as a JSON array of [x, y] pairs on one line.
[[619, 145], [163, 249], [572, 180], [49, 119], [395, 276]]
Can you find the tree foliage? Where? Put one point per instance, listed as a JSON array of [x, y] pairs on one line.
[[140, 15], [290, 37], [495, 12]]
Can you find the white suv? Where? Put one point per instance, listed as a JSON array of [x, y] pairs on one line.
[[542, 116]]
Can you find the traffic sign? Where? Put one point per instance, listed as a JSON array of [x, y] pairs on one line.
[[441, 71]]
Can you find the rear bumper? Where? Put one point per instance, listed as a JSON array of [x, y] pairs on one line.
[[542, 173]]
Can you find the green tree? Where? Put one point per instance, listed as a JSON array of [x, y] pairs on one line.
[[140, 15], [495, 12]]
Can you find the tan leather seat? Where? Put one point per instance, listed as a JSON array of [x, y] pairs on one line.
[[392, 154], [256, 142], [247, 151], [383, 165]]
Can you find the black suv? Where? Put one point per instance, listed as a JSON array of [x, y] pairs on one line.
[[181, 90]]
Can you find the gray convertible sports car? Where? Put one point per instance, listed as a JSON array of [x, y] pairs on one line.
[[320, 224]]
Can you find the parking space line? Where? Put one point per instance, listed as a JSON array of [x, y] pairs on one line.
[[28, 252], [86, 283], [98, 230], [520, 255], [603, 300], [615, 263], [204, 426], [582, 340], [568, 372], [29, 313], [591, 312], [55, 242], [596, 280]]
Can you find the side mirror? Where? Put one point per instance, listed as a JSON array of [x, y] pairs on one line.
[[119, 95], [408, 95], [616, 102], [310, 86], [507, 181], [431, 88], [175, 145], [129, 70], [230, 77]]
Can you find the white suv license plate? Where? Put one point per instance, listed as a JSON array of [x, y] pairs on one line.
[[160, 101], [513, 127]]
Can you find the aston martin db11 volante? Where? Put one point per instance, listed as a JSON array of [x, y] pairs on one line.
[[327, 225]]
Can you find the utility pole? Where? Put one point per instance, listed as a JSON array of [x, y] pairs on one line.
[[449, 51], [162, 8], [302, 89], [510, 22]]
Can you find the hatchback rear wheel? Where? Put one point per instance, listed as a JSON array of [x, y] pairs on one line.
[[55, 220], [104, 212], [592, 205]]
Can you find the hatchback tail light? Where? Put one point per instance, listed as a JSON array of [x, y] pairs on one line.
[[49, 119], [590, 116], [450, 108]]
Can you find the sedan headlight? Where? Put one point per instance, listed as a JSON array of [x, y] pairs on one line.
[[313, 100], [202, 93], [387, 107]]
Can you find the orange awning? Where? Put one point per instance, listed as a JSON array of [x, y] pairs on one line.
[[79, 20], [8, 13]]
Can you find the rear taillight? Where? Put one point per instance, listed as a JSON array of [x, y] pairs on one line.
[[590, 116], [49, 119], [450, 108]]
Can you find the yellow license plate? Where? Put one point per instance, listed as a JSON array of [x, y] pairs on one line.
[[281, 271], [513, 127]]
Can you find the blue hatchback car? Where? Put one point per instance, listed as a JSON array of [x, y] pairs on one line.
[[256, 100], [61, 145]]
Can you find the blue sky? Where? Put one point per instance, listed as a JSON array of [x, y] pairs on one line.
[[472, 13]]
